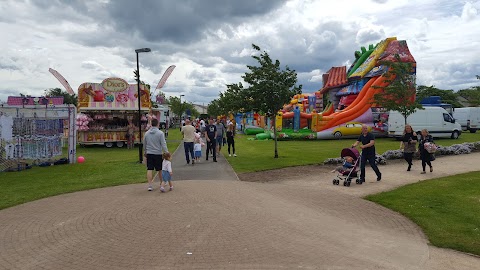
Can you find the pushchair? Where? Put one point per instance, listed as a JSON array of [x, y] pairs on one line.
[[348, 174]]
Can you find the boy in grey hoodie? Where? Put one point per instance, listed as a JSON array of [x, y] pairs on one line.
[[154, 145]]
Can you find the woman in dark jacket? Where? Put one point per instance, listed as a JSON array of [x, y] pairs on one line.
[[408, 144], [231, 139], [424, 154]]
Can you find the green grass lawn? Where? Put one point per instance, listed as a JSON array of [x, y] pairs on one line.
[[102, 167], [254, 155], [447, 209]]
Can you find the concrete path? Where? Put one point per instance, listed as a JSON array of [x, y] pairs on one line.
[[288, 224], [203, 170]]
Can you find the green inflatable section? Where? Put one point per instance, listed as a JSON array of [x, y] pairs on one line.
[[361, 59], [263, 136], [253, 131]]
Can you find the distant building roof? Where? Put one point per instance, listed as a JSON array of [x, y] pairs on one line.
[[200, 108], [335, 77], [19, 101]]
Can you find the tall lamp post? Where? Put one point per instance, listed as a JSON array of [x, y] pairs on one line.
[[181, 112], [137, 73]]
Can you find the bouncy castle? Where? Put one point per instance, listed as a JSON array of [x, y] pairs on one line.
[[348, 97]]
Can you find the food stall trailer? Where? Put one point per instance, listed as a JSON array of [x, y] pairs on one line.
[[105, 110]]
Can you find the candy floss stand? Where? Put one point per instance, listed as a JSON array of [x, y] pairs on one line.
[[33, 130]]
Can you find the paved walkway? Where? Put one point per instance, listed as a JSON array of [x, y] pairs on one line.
[[213, 224], [205, 170]]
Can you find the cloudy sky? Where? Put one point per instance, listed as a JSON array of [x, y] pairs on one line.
[[209, 41]]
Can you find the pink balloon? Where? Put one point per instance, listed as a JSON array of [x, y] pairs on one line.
[[80, 159]]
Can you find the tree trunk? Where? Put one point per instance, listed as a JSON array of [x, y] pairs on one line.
[[275, 135]]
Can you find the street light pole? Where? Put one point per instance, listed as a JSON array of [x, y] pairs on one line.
[[181, 112], [140, 148]]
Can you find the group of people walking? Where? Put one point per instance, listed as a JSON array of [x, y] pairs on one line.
[[408, 144], [158, 158], [215, 134]]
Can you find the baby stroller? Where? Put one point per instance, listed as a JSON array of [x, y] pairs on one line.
[[347, 175]]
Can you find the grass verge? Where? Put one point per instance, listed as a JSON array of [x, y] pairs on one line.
[[447, 209], [102, 167], [255, 155]]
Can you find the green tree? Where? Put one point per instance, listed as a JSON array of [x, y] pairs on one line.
[[398, 94], [270, 87], [447, 96], [213, 108], [472, 95], [234, 99], [190, 106], [180, 108], [175, 106], [67, 98]]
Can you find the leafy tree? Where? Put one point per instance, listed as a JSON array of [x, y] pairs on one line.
[[447, 96], [190, 106], [270, 87], [175, 106], [234, 99], [180, 108], [213, 108], [472, 95], [398, 94], [67, 98]]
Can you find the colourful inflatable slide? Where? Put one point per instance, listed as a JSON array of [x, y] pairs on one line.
[[339, 83], [361, 104]]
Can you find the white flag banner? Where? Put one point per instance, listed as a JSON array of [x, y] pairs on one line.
[[165, 76], [62, 80]]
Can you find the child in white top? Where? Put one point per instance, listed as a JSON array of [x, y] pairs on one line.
[[166, 172], [197, 147]]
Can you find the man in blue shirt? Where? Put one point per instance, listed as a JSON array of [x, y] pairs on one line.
[[368, 153]]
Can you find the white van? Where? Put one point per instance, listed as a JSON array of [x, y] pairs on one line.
[[436, 120], [468, 118]]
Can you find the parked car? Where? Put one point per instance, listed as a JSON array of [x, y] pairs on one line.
[[436, 120], [468, 118], [349, 129]]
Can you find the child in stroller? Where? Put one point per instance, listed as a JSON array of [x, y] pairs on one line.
[[346, 165], [349, 169]]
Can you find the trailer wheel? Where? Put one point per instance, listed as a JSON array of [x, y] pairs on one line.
[[120, 144], [109, 144], [163, 125], [455, 135]]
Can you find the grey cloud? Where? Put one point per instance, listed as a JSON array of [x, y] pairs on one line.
[[469, 12], [9, 63], [194, 93], [370, 35], [456, 75], [233, 68], [91, 65], [181, 21], [203, 76], [380, 1], [299, 48], [304, 50], [440, 10]]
